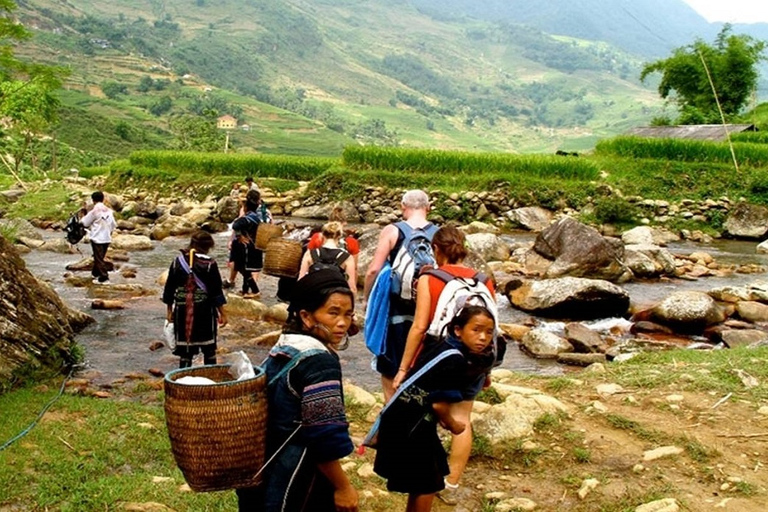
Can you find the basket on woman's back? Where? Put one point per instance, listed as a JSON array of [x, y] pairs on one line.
[[217, 431]]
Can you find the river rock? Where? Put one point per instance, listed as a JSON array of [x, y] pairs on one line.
[[227, 209], [568, 297], [747, 221], [87, 264], [248, 308], [59, 245], [514, 418], [664, 262], [197, 216], [21, 228], [640, 264], [321, 211], [120, 290], [665, 505], [182, 208], [489, 246], [757, 291], [688, 311], [545, 344], [583, 339], [13, 194], [106, 304], [742, 337], [358, 395], [132, 243], [479, 227], [751, 311], [532, 218], [514, 331], [515, 505], [640, 235], [580, 359], [580, 251], [36, 328]]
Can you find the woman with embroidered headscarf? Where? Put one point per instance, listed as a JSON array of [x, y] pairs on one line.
[[307, 430]]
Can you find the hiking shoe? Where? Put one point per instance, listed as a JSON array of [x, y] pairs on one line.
[[449, 496], [99, 280], [227, 284]]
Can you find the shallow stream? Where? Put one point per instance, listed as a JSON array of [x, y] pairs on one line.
[[118, 344]]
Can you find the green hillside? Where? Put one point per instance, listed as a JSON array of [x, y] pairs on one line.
[[312, 76]]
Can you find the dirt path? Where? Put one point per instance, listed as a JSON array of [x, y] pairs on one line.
[[721, 464]]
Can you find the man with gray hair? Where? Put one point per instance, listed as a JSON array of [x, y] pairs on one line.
[[396, 241]]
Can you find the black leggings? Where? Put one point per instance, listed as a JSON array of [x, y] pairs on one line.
[[185, 356]]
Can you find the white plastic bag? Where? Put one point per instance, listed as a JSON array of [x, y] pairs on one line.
[[241, 367], [170, 335]]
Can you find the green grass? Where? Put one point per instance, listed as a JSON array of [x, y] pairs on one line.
[[88, 454], [582, 455], [705, 370], [647, 434], [44, 201]]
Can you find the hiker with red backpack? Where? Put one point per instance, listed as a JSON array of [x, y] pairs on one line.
[[404, 248], [331, 255], [195, 300], [441, 293]]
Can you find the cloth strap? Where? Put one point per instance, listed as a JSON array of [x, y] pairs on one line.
[[185, 266]]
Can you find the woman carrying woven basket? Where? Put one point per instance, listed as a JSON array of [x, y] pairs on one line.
[[307, 431]]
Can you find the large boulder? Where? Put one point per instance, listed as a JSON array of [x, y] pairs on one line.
[[662, 259], [532, 218], [197, 216], [489, 246], [757, 291], [646, 235], [580, 251], [747, 221], [20, 228], [321, 211], [568, 297], [514, 418], [131, 243], [688, 311], [544, 344], [36, 328], [227, 209]]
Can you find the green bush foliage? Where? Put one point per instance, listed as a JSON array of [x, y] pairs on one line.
[[686, 150], [461, 163], [272, 166], [753, 137]]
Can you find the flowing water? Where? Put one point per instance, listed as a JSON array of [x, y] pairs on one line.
[[118, 344]]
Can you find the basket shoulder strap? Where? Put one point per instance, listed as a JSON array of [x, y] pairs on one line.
[[294, 361]]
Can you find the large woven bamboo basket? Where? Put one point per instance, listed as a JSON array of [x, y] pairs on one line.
[[282, 258], [265, 233], [218, 431]]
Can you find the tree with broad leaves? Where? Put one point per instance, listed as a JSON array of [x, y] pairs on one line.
[[27, 105], [732, 64]]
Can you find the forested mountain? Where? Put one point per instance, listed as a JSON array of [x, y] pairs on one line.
[[310, 76]]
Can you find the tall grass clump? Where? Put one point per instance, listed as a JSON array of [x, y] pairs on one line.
[[683, 149], [220, 164], [754, 137], [458, 163]]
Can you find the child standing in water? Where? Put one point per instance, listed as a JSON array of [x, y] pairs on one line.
[[409, 452], [195, 300]]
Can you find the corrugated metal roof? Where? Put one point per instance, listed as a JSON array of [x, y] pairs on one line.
[[713, 132]]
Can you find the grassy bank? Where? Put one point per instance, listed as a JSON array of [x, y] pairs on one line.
[[91, 454]]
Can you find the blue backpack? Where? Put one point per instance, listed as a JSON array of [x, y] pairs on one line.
[[414, 254]]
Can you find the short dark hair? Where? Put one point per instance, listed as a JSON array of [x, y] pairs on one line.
[[201, 241], [97, 196], [466, 314], [249, 179]]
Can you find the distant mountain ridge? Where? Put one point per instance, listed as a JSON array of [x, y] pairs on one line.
[[649, 28], [310, 76]]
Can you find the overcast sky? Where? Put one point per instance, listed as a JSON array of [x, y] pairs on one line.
[[735, 11]]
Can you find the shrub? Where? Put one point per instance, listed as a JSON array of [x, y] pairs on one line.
[[615, 210]]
